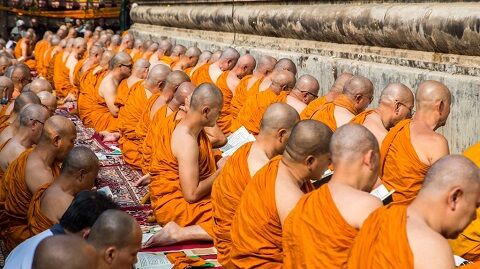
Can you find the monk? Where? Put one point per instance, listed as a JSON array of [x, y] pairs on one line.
[[227, 82], [151, 49], [20, 76], [127, 43], [305, 91], [40, 49], [276, 126], [32, 117], [40, 85], [79, 170], [73, 62], [117, 238], [64, 251], [47, 57], [139, 73], [11, 112], [6, 103], [283, 64], [138, 50], [5, 62], [61, 76], [114, 43], [334, 92], [105, 112], [182, 179], [187, 60], [257, 226], [202, 60], [413, 235], [132, 112], [251, 113], [49, 101], [215, 56], [177, 52], [395, 104], [264, 67], [32, 169], [355, 154], [24, 50], [412, 146], [356, 96], [211, 72], [162, 54]]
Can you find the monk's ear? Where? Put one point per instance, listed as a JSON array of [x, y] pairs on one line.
[[282, 135], [397, 107], [85, 233], [56, 140], [368, 159], [454, 197], [205, 111], [110, 254], [441, 107], [309, 161]]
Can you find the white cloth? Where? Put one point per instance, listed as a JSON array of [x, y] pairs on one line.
[[22, 256]]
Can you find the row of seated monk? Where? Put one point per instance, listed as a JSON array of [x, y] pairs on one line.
[[171, 108]]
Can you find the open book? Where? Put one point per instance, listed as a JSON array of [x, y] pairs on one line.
[[383, 194], [236, 140], [152, 260]]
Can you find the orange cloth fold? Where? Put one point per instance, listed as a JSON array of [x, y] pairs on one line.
[[18, 53], [306, 222], [37, 221], [201, 75], [326, 113], [382, 242], [100, 116], [400, 167], [240, 96], [4, 123], [145, 121], [224, 119], [61, 79], [313, 106], [251, 114], [167, 198], [149, 141], [88, 82], [49, 63], [226, 193], [39, 50], [166, 60], [256, 229], [123, 91], [360, 118]]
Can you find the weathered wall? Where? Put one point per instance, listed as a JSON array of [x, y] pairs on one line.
[[382, 65]]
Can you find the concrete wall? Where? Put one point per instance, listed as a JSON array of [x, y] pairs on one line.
[[382, 65]]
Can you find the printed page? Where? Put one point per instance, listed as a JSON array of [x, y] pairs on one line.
[[152, 260]]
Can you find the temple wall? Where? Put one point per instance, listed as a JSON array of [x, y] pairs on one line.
[[415, 42]]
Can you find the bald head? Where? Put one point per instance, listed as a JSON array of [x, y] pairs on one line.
[[21, 74], [40, 85], [358, 85], [48, 100], [286, 64], [175, 78], [228, 58], [106, 58], [115, 40], [138, 44], [158, 74], [141, 64], [64, 251], [24, 99], [204, 57], [396, 91], [6, 87], [339, 83], [165, 47], [245, 65], [206, 95], [81, 159], [283, 80], [308, 138], [115, 228], [33, 114], [193, 52], [128, 40], [309, 85], [278, 116], [55, 40], [215, 56], [184, 90], [266, 64], [432, 92], [58, 126], [5, 62], [350, 142], [121, 58], [178, 50]]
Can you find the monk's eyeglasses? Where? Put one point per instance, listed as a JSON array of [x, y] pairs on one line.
[[306, 92], [35, 120], [411, 111], [129, 66]]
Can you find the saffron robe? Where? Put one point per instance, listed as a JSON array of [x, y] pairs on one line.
[[88, 82], [224, 119], [240, 96], [40, 49], [4, 123], [150, 139], [313, 106], [201, 75], [18, 53], [37, 221], [326, 113], [146, 119], [100, 115]]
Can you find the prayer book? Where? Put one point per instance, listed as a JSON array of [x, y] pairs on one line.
[[383, 194], [152, 260], [236, 140]]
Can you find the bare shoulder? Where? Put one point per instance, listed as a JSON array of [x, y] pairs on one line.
[[36, 174], [181, 140], [55, 202]]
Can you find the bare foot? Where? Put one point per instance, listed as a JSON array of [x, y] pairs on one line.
[[143, 181], [109, 137], [166, 236]]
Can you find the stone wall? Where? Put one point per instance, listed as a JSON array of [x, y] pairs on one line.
[[382, 64]]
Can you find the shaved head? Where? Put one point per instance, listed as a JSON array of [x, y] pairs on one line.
[[81, 159], [308, 85], [39, 85], [278, 116], [106, 58], [6, 87], [351, 141], [55, 40], [64, 251], [24, 99], [246, 64], [5, 62], [21, 74], [59, 125], [141, 63], [398, 100], [138, 44], [266, 64], [283, 80], [58, 132], [205, 56], [358, 85], [308, 138], [431, 91], [48, 100], [397, 91], [339, 83], [286, 64], [215, 56], [230, 54], [115, 40], [184, 90], [175, 78], [165, 47], [178, 50], [32, 113], [193, 52], [206, 95], [119, 59], [158, 74]]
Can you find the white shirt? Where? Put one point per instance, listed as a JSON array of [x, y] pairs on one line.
[[22, 256]]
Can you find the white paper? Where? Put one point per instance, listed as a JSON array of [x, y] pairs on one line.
[[152, 260], [381, 192], [236, 140], [107, 191], [146, 237], [200, 251], [460, 261]]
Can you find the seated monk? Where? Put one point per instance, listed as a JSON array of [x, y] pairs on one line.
[[177, 52], [126, 44], [24, 50], [61, 78], [163, 52], [12, 112], [276, 126], [31, 120], [264, 67], [40, 48], [182, 179], [79, 170], [104, 111], [215, 56], [151, 49], [202, 60], [356, 96], [73, 63], [413, 235], [187, 60], [139, 73], [6, 103], [326, 244], [137, 51], [5, 62], [412, 146], [227, 82], [20, 76], [209, 73], [47, 64], [32, 169], [49, 101], [130, 115], [257, 225], [281, 65], [40, 85], [395, 104], [335, 90], [305, 91], [114, 43]]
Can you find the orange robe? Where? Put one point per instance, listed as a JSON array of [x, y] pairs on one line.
[[4, 123], [325, 113], [240, 96], [137, 56], [400, 167], [167, 199], [88, 82], [313, 106], [256, 229], [146, 120], [100, 115], [48, 65], [382, 242], [37, 221], [224, 119], [166, 60], [17, 200], [128, 118], [201, 75], [226, 193], [251, 114], [76, 76], [360, 118], [306, 223], [188, 71], [153, 133], [61, 78], [123, 91], [1, 171], [40, 49], [43, 60], [18, 53]]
